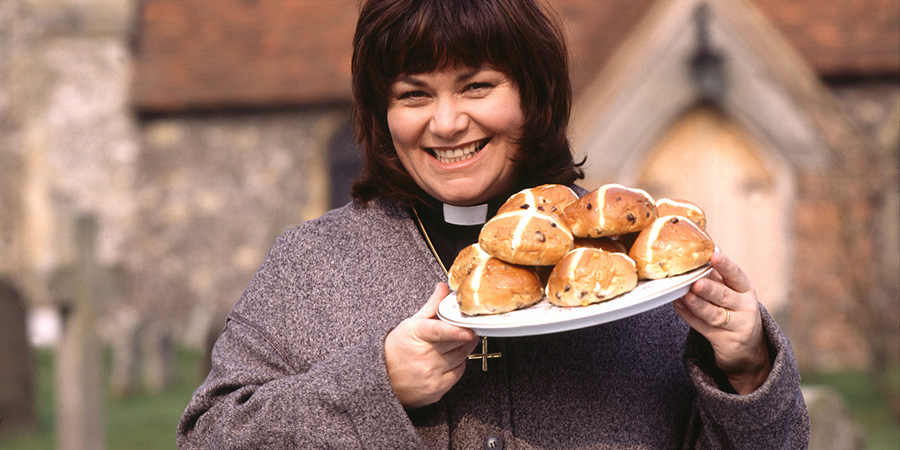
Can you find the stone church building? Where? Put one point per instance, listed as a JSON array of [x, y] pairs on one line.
[[196, 132]]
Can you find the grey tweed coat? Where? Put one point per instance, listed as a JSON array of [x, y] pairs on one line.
[[300, 364]]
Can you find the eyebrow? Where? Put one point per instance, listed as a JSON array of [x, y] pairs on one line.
[[459, 78]]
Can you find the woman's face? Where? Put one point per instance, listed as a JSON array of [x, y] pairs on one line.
[[455, 131]]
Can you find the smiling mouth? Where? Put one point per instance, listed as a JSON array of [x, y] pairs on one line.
[[446, 156]]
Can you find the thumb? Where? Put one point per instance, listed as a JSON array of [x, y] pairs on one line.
[[429, 310]]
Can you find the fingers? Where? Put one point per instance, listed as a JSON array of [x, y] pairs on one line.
[[437, 332], [731, 274], [720, 299], [425, 356], [443, 335], [463, 351], [710, 290], [701, 315], [723, 308], [727, 286], [429, 310]]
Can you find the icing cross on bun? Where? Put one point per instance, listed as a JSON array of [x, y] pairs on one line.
[[670, 207], [547, 198], [611, 210], [495, 287], [465, 262], [671, 245], [587, 275], [527, 237]]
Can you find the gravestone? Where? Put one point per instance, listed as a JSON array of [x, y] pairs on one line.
[[125, 367], [79, 368], [830, 424], [16, 369], [158, 351]]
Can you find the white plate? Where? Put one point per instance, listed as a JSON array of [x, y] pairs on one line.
[[544, 318]]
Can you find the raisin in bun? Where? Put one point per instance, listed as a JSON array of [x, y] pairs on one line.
[[495, 287], [670, 207], [547, 198], [610, 210], [465, 263], [671, 245], [526, 237], [587, 275]]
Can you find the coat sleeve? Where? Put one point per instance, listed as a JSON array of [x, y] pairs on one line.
[[264, 393], [773, 416], [253, 399]]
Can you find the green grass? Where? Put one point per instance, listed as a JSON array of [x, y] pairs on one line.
[[147, 421], [143, 421], [872, 401]]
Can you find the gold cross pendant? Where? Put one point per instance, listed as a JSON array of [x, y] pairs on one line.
[[484, 355]]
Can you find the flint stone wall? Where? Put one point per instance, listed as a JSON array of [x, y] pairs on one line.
[[212, 193]]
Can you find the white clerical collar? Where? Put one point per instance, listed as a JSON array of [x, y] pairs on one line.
[[465, 215]]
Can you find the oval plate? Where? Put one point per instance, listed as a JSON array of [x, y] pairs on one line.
[[544, 318]]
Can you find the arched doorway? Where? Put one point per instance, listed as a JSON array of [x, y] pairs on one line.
[[745, 191]]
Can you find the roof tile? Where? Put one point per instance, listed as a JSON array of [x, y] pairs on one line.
[[209, 54]]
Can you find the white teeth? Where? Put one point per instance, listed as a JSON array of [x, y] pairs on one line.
[[458, 154]]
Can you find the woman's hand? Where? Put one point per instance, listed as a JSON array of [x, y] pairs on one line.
[[723, 307], [425, 356]]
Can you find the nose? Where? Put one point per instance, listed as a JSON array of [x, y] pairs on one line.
[[449, 120]]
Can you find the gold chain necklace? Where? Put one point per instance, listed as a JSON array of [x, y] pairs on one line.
[[484, 355], [428, 240]]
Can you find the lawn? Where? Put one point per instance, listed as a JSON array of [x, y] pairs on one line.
[[147, 421], [143, 421], [872, 400]]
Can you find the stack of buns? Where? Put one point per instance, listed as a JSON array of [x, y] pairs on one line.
[[547, 242]]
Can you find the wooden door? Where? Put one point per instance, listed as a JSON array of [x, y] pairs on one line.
[[745, 192]]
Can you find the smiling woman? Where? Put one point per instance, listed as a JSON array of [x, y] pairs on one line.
[[459, 104], [456, 132], [505, 52]]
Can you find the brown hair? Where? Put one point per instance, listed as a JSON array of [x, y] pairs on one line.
[[516, 37]]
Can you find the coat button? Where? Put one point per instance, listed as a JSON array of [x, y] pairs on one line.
[[493, 442]]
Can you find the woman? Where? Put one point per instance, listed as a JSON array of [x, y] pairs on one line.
[[459, 104]]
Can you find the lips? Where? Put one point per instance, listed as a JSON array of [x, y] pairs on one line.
[[462, 153]]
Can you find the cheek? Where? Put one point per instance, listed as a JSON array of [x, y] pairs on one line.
[[403, 127], [516, 121], [393, 122], [508, 114], [400, 137], [508, 120]]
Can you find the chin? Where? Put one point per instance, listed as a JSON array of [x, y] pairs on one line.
[[468, 191], [462, 198]]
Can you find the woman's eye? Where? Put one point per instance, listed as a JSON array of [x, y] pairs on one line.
[[411, 95], [478, 86]]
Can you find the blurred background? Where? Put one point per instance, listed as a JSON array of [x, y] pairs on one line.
[[152, 150]]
